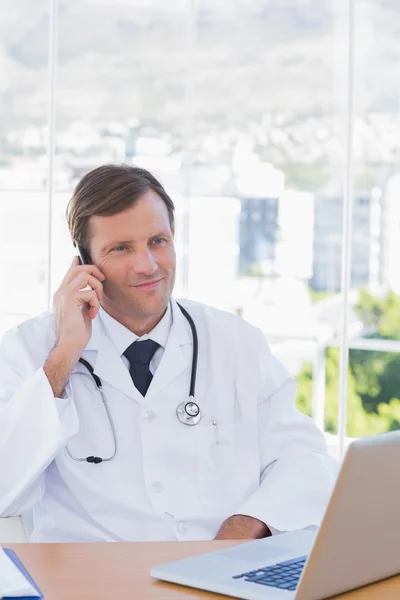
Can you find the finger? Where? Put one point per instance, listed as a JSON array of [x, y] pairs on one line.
[[96, 286], [90, 281], [82, 280], [67, 277], [89, 269], [95, 271], [93, 310], [89, 300]]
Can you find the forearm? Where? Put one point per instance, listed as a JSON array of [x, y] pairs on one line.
[[58, 368], [242, 527], [296, 472], [36, 427]]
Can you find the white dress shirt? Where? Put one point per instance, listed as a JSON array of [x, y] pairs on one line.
[[122, 337]]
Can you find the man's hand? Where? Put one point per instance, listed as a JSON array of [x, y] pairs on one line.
[[241, 527], [75, 307]]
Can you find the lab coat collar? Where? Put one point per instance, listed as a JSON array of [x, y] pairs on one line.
[[108, 365], [175, 358], [101, 353], [122, 337]]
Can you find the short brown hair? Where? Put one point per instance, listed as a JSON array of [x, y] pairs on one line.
[[106, 191]]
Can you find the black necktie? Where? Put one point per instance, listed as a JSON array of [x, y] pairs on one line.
[[139, 355]]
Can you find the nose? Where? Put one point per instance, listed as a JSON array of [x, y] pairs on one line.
[[144, 262]]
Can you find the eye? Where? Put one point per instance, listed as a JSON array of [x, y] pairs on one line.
[[119, 248], [159, 241]]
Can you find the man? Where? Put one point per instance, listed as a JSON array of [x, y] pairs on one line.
[[112, 455]]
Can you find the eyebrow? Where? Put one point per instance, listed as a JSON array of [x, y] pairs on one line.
[[160, 234]]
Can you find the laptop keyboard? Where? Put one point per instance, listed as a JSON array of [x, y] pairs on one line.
[[284, 575]]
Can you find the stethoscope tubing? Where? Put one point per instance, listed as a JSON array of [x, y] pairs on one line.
[[186, 419]]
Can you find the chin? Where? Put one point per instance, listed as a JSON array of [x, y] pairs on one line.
[[152, 306]]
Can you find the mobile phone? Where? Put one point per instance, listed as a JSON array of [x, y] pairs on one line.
[[84, 256]]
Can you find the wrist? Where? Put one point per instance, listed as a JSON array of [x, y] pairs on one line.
[[63, 359], [58, 368], [67, 349], [243, 527]]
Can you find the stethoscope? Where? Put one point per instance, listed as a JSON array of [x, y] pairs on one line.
[[188, 412]]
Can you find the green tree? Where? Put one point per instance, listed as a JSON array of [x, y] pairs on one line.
[[377, 374], [359, 422], [374, 377], [380, 314]]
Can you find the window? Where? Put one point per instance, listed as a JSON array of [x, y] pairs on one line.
[[241, 110]]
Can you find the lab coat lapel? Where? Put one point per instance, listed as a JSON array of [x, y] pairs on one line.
[[107, 363], [177, 354]]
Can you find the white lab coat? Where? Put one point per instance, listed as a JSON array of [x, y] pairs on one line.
[[168, 481]]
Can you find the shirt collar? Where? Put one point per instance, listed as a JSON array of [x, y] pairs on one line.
[[122, 337]]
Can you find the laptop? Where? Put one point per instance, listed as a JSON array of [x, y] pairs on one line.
[[357, 543]]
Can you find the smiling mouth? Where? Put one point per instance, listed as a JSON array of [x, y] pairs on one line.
[[149, 285]]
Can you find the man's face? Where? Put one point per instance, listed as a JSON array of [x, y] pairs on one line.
[[135, 251]]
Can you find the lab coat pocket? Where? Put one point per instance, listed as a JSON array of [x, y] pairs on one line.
[[216, 464]]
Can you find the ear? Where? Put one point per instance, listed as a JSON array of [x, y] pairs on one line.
[[173, 231]]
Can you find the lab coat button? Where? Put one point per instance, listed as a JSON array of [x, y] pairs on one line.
[[182, 528], [149, 416], [157, 487]]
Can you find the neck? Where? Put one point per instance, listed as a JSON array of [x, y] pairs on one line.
[[138, 325]]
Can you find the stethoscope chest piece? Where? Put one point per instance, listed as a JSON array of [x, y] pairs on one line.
[[188, 413]]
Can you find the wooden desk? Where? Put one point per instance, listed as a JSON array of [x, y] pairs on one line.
[[97, 571]]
